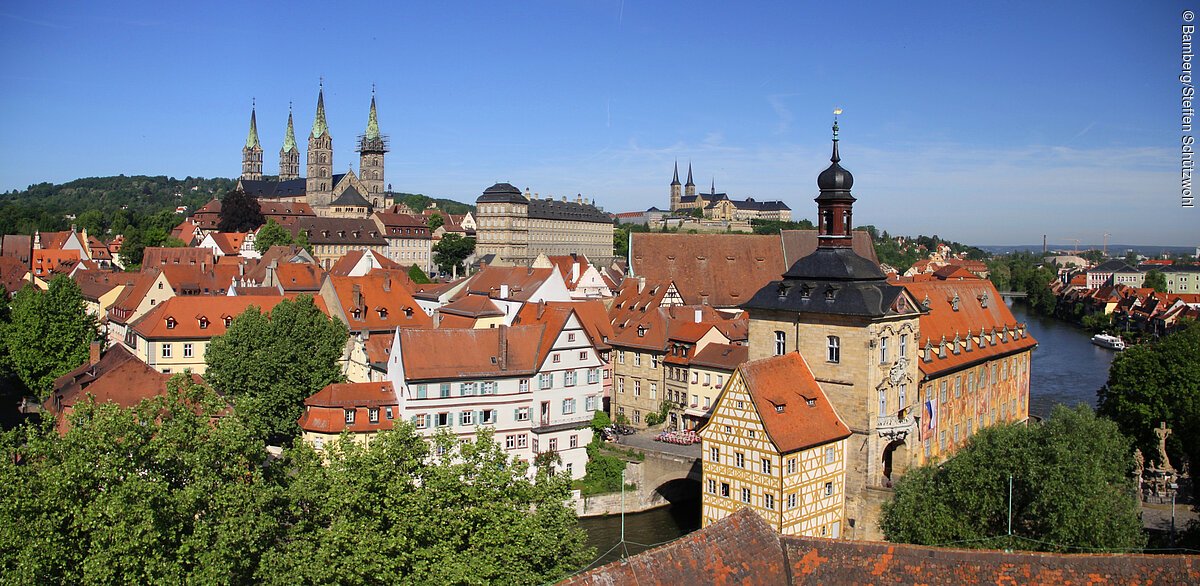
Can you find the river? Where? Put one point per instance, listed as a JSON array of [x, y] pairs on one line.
[[1067, 368]]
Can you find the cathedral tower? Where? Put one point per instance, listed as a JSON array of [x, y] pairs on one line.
[[689, 188], [371, 148], [675, 192], [252, 153], [319, 188], [289, 155]]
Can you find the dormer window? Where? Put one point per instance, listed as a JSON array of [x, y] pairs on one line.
[[203, 323], [171, 323], [641, 331], [811, 402], [779, 408], [408, 312], [954, 302], [383, 312], [228, 320]]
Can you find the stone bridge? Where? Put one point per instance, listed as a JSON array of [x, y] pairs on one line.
[[668, 474]]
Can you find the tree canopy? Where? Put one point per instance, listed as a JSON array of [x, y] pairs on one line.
[[417, 275], [435, 221], [179, 490], [1156, 382], [240, 212], [48, 334], [451, 251], [1156, 280], [271, 234], [271, 363], [1071, 489]]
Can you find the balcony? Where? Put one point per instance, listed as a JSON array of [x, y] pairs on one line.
[[895, 426]]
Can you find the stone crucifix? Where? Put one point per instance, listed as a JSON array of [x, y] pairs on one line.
[[1162, 432]]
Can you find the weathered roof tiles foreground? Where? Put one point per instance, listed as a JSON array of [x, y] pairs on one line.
[[743, 550]]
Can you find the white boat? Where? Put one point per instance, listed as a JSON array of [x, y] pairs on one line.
[[1107, 341]]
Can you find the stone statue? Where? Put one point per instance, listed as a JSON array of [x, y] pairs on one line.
[[1162, 432], [1139, 466]]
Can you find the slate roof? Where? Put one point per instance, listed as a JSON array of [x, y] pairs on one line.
[[752, 204], [1115, 265], [348, 231], [501, 193], [351, 197], [743, 550], [549, 209], [831, 281], [271, 189]]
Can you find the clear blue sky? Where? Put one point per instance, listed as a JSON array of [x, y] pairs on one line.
[[988, 125]]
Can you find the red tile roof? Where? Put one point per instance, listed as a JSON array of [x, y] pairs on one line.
[[348, 261], [591, 314], [299, 277], [381, 299], [474, 306], [807, 418], [136, 287], [48, 262], [182, 317], [156, 256], [723, 270], [521, 282], [971, 319], [722, 356], [371, 394], [12, 274], [229, 243], [456, 353], [953, 273], [743, 550]]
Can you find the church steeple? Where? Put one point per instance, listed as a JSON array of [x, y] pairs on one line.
[[319, 183], [289, 155], [675, 190], [689, 188], [835, 203], [372, 146], [252, 152], [320, 127]]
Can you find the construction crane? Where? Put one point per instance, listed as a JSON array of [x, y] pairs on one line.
[[1106, 235], [1076, 241]]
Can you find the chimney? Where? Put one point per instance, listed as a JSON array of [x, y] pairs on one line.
[[387, 282], [94, 352], [502, 359], [356, 296], [641, 284]]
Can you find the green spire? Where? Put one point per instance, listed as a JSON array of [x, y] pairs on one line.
[[289, 139], [252, 138], [373, 121], [319, 126]]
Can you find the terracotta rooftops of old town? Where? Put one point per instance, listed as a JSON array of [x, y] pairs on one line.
[[743, 550], [794, 410], [490, 352]]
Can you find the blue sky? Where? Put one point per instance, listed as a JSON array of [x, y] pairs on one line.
[[986, 125]]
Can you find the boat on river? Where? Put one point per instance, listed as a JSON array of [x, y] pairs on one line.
[[1108, 341]]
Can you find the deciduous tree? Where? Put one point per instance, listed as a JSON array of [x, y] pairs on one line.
[[48, 334], [1156, 280], [271, 234], [1072, 490], [1158, 382], [452, 251], [240, 212], [271, 363]]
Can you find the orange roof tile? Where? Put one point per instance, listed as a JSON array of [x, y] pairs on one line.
[[368, 394], [455, 353], [591, 314], [48, 262], [794, 410], [299, 277], [722, 356], [378, 301], [156, 256], [230, 243], [520, 281], [971, 319], [193, 317]]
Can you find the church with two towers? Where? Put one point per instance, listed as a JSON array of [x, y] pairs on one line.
[[330, 194]]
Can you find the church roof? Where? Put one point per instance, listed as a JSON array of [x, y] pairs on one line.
[[351, 197], [270, 189], [289, 139], [252, 138], [320, 127]]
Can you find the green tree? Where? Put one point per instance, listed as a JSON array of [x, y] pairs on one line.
[[272, 363], [160, 493], [271, 234], [1156, 280], [451, 251], [240, 212], [417, 275], [1071, 484], [48, 334], [1158, 382], [470, 516], [435, 221]]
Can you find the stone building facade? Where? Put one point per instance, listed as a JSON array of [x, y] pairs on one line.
[[516, 228]]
